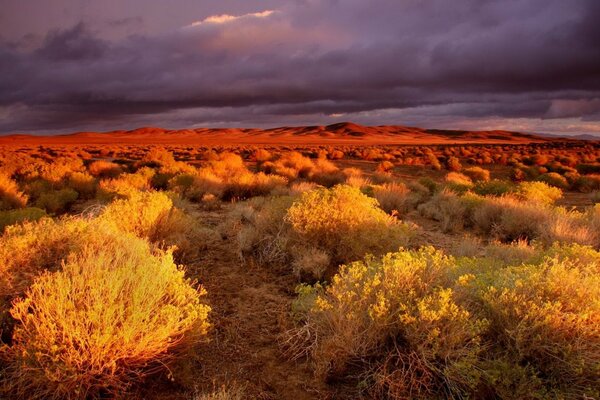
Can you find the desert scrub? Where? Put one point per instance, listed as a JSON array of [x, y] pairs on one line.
[[314, 230], [12, 217], [93, 328], [57, 201], [447, 208], [400, 320], [477, 174], [495, 187], [546, 318], [10, 195], [394, 196], [538, 192], [418, 324], [344, 223], [152, 215]]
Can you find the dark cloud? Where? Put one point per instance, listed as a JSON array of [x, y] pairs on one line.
[[315, 61]]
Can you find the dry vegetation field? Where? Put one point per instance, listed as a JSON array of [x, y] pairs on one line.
[[300, 272]]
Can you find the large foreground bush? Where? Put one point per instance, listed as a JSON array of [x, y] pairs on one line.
[[102, 321], [421, 325]]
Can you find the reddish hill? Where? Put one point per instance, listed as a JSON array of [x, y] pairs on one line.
[[340, 133]]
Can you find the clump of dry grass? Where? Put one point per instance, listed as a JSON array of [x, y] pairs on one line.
[[104, 320]]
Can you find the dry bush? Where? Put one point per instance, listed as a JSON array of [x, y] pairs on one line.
[[104, 169], [152, 215], [392, 197], [554, 179], [458, 182], [10, 195], [166, 163], [420, 325], [538, 192], [453, 164], [401, 313], [345, 223], [447, 208], [12, 217], [509, 219], [477, 174], [261, 230], [57, 201], [126, 184], [310, 264], [103, 321], [226, 177], [587, 183]]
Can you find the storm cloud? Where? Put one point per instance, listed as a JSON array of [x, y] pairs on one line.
[[534, 64]]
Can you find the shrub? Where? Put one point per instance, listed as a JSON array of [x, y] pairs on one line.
[[494, 187], [554, 179], [84, 184], [21, 215], [345, 223], [10, 196], [547, 321], [510, 219], [104, 169], [399, 320], [538, 192], [420, 325], [458, 182], [587, 183], [57, 201], [447, 208], [453, 164], [102, 322], [152, 215], [477, 174], [126, 184], [392, 197]]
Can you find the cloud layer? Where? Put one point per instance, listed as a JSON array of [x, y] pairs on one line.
[[530, 63]]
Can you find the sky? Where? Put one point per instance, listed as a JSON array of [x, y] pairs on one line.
[[82, 65]]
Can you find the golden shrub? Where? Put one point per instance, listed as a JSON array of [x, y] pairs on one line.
[[10, 195], [401, 312], [96, 326], [345, 223], [538, 192]]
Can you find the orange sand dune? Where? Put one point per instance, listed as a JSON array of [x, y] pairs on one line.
[[338, 134]]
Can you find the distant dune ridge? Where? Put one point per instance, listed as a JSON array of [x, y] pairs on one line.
[[340, 133]]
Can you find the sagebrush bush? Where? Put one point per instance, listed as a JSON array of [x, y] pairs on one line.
[[447, 208], [152, 215], [393, 197], [421, 325], [554, 179], [97, 325], [345, 223], [477, 174], [539, 192], [401, 313], [19, 215], [10, 195], [495, 187], [57, 201], [126, 184]]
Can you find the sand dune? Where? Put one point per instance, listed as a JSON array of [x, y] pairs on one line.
[[340, 133]]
